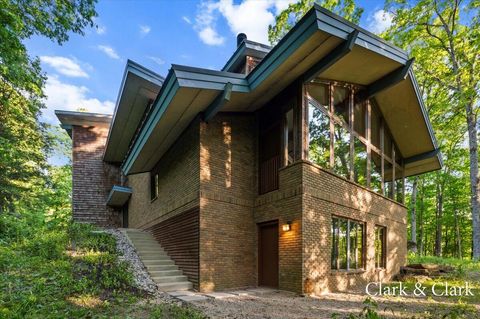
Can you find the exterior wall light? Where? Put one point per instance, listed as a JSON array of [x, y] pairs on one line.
[[287, 226]]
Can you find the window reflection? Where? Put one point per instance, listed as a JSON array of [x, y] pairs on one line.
[[360, 163], [319, 136], [340, 102], [376, 172], [341, 151], [360, 117]]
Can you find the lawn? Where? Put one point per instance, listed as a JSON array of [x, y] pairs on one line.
[[70, 271]]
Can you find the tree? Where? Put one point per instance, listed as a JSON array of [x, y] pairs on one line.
[[444, 37], [24, 142], [295, 11]]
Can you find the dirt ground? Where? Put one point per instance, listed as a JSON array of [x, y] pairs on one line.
[[279, 305]]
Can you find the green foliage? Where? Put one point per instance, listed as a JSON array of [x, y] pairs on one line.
[[295, 11], [174, 311]]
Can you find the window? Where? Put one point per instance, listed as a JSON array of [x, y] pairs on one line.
[[380, 246], [347, 244], [340, 103], [341, 151], [360, 163], [376, 172], [154, 186], [348, 135], [388, 178], [360, 118], [319, 135], [289, 136]]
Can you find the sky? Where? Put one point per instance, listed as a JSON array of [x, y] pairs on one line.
[[85, 72]]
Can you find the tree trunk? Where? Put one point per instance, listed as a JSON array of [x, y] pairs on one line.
[[413, 216], [474, 180], [421, 240], [458, 240], [439, 216]]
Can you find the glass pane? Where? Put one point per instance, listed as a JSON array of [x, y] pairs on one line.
[[380, 246], [342, 244], [319, 92], [334, 243], [360, 163], [342, 151], [319, 136], [356, 245], [399, 184], [376, 173], [375, 123], [359, 118], [387, 144], [388, 186], [289, 136], [340, 102]]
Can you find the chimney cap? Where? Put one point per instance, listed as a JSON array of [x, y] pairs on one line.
[[240, 38]]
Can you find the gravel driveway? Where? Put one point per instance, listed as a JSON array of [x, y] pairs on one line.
[[279, 305]]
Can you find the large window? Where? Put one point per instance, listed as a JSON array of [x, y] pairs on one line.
[[380, 246], [347, 244], [349, 136]]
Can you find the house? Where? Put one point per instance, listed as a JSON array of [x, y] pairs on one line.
[[285, 169]]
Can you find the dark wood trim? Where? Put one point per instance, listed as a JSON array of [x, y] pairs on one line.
[[218, 103], [387, 81], [332, 57], [422, 156]]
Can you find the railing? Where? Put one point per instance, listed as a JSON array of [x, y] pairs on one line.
[[268, 175]]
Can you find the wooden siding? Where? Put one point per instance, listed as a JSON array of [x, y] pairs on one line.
[[179, 236]]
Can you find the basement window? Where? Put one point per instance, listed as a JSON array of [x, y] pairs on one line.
[[380, 247], [347, 244]]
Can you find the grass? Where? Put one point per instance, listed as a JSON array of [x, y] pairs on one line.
[[71, 272]]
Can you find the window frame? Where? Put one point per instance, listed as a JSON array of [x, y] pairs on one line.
[[370, 107], [362, 266], [383, 264], [154, 186]]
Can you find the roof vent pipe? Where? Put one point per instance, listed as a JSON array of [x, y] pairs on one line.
[[240, 38]]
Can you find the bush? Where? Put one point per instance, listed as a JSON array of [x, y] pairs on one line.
[[49, 245]]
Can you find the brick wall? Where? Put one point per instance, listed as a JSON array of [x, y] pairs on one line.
[[92, 178], [325, 195], [284, 205], [179, 179], [227, 190]]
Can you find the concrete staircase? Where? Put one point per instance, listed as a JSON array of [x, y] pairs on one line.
[[161, 268]]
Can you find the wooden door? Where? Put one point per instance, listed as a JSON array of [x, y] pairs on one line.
[[268, 254]]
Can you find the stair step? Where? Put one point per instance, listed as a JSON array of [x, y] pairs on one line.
[[170, 279], [154, 258], [163, 273], [158, 262], [152, 268], [175, 286]]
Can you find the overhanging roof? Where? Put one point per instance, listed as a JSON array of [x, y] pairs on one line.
[[188, 91], [247, 47], [139, 88], [71, 118], [118, 196]]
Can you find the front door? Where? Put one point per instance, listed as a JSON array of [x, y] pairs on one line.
[[268, 254]]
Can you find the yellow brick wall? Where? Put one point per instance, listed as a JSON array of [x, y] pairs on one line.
[[179, 180]]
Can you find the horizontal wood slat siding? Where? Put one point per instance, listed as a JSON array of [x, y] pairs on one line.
[[179, 236]]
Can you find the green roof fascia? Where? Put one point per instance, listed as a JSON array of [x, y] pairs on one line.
[[181, 76], [247, 47], [337, 26], [120, 189], [303, 30], [140, 71], [425, 115]]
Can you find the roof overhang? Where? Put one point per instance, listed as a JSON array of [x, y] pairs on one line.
[[139, 88], [68, 119], [319, 34], [118, 196], [246, 48]]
